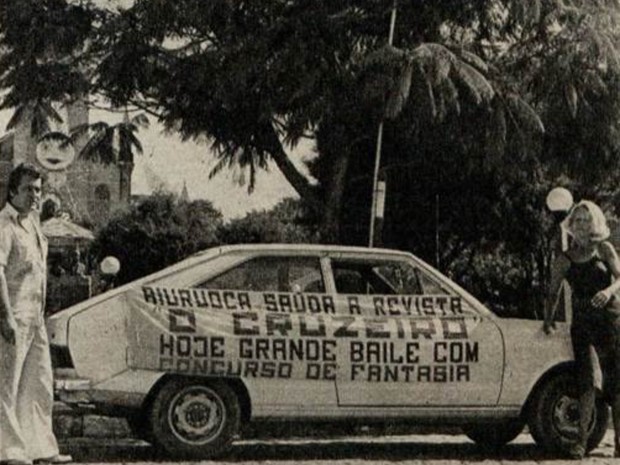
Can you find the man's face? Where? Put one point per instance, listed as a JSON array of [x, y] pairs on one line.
[[27, 198]]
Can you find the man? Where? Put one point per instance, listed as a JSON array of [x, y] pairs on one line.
[[26, 390]]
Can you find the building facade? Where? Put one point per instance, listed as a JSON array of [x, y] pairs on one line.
[[88, 192]]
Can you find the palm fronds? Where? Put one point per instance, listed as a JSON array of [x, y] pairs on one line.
[[111, 144], [442, 78], [39, 112]]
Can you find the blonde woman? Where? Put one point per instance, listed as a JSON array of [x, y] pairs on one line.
[[592, 269]]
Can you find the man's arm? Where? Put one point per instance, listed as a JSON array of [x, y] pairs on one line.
[[7, 320]]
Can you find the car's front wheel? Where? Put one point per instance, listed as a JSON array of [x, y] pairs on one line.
[[554, 415], [494, 435], [194, 418]]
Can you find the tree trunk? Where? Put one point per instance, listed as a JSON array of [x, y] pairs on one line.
[[299, 182], [331, 228]]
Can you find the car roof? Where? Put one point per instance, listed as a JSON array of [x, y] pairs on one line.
[[213, 252], [315, 248]]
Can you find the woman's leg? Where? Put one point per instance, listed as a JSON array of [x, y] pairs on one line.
[[584, 379], [613, 386]]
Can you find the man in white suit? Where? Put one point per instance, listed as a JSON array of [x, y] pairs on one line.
[[26, 386]]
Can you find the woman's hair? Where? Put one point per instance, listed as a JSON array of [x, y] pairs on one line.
[[600, 230]]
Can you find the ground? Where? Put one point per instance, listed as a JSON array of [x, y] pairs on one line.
[[359, 450]]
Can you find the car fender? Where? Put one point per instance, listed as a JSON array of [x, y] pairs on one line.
[[530, 354]]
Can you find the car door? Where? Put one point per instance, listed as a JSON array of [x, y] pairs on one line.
[[414, 339]]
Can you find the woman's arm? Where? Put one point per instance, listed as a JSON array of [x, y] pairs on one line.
[[610, 256]]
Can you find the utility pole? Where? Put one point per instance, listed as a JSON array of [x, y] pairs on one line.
[[378, 190]]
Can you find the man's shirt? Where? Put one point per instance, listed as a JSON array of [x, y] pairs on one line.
[[23, 253]]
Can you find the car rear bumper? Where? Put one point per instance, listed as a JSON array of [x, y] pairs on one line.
[[70, 389]]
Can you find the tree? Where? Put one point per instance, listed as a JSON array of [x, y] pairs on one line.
[[155, 233], [113, 144], [459, 85], [287, 222], [256, 76], [36, 66], [570, 69]]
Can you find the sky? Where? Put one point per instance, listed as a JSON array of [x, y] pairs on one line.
[[173, 163]]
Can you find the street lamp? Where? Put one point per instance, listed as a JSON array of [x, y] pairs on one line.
[[559, 200]]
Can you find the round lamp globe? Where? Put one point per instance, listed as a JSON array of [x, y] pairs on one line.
[[110, 265], [559, 199]]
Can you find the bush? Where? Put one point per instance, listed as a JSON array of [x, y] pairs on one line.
[[157, 232]]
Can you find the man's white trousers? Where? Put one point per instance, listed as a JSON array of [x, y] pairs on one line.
[[26, 394]]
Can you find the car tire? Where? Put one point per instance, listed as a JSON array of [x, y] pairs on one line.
[[554, 415], [195, 419], [496, 434]]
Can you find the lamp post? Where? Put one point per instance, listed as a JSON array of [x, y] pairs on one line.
[[559, 201], [378, 190]]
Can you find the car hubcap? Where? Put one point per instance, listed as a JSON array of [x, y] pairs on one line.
[[196, 415], [566, 415]]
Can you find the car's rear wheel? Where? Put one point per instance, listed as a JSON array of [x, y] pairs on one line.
[[195, 418], [554, 415], [496, 434]]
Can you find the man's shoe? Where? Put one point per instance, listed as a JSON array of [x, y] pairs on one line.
[[16, 462], [58, 459]]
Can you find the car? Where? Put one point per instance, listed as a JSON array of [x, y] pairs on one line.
[[246, 334]]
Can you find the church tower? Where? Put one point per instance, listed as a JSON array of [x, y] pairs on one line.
[[87, 191]]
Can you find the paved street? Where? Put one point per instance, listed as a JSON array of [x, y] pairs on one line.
[[431, 449]]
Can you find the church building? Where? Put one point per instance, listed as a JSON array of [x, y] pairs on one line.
[[88, 192]]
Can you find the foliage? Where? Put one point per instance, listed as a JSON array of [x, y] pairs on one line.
[[111, 144], [157, 232], [163, 229], [38, 39], [571, 71], [253, 76], [286, 223]]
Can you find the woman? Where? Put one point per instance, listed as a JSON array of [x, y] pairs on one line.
[[592, 269]]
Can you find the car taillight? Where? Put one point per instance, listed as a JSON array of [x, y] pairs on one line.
[[61, 358]]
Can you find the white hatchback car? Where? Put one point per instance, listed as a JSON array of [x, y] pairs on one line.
[[255, 333]]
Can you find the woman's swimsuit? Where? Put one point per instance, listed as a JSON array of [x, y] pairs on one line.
[[597, 327]]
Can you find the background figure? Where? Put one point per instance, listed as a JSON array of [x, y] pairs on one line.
[[592, 269], [26, 388]]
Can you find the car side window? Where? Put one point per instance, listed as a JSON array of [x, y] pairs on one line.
[[375, 277], [272, 274], [430, 285]]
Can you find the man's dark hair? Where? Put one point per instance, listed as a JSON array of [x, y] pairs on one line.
[[21, 171]]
